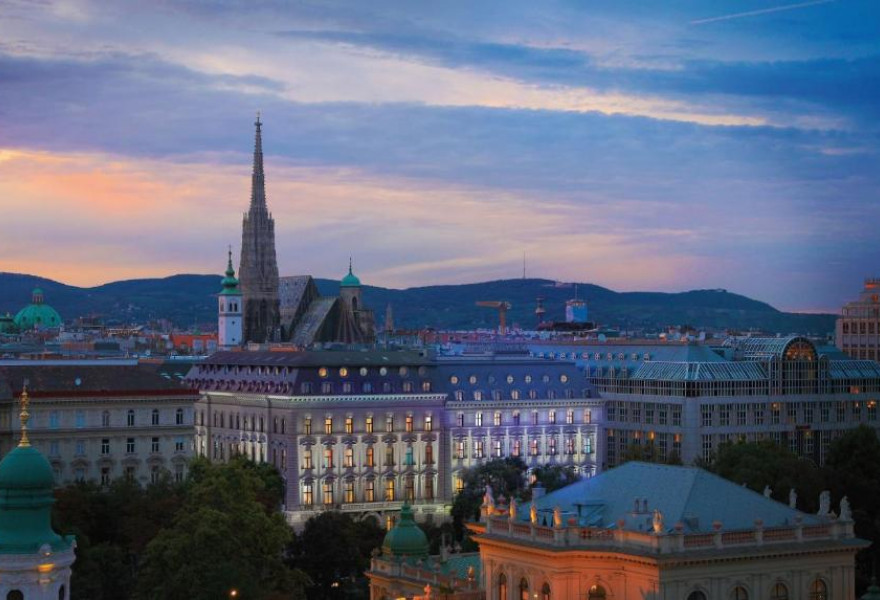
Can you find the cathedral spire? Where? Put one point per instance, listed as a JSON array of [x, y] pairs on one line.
[[258, 179]]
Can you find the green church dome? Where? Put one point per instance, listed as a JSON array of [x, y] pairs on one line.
[[406, 538], [37, 315], [351, 279], [230, 283], [24, 468]]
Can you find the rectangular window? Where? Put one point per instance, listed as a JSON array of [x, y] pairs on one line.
[[775, 413], [478, 449], [409, 459], [80, 419], [307, 459], [326, 387], [53, 448], [409, 423], [707, 447], [551, 446], [723, 416], [129, 446], [80, 448], [588, 416], [307, 426], [370, 457], [649, 414], [369, 491], [569, 417], [389, 456], [429, 454], [179, 444], [496, 419], [105, 475], [533, 447], [429, 423], [872, 410], [496, 449], [389, 490], [429, 487], [517, 447], [307, 499], [154, 445], [155, 417], [105, 419], [389, 424], [349, 425], [328, 493], [349, 491], [53, 419], [459, 449], [569, 446], [478, 419], [130, 419], [741, 414], [706, 415], [369, 425], [328, 425], [588, 444], [459, 420], [661, 415], [676, 416], [551, 417], [328, 458], [516, 417], [535, 418], [348, 457], [105, 446], [410, 491]]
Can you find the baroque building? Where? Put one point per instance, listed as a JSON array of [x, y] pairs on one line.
[[229, 306], [258, 269], [34, 560]]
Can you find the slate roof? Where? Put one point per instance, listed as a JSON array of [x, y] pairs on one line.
[[688, 495], [79, 379], [310, 325]]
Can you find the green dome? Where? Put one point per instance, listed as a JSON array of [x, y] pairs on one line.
[[350, 280], [37, 315], [405, 538], [26, 484]]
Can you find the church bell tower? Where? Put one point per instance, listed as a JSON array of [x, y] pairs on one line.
[[229, 307]]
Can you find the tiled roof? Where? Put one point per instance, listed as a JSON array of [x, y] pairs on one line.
[[688, 495], [60, 380]]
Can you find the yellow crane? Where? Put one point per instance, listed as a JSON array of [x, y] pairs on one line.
[[502, 307]]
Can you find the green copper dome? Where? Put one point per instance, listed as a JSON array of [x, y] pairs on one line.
[[405, 538], [37, 315], [351, 279], [229, 283], [26, 499]]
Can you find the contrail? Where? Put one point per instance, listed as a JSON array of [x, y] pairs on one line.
[[762, 11]]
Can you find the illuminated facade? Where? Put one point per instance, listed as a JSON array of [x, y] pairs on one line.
[[665, 533], [858, 327], [685, 400], [363, 431]]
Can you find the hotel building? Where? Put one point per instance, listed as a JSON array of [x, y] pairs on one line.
[[858, 327]]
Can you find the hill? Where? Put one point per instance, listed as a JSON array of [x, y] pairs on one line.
[[189, 299]]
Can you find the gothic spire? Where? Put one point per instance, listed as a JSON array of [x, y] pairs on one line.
[[258, 179]]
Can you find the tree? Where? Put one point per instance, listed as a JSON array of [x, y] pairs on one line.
[[505, 475], [222, 538], [553, 477], [648, 453], [761, 464], [334, 550]]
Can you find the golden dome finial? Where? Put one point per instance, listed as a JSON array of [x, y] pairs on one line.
[[25, 416]]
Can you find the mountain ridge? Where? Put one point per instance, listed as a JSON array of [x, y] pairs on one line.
[[188, 299]]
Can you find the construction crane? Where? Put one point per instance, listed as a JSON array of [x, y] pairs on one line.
[[502, 307]]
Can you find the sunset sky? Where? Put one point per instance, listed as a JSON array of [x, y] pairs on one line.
[[638, 145]]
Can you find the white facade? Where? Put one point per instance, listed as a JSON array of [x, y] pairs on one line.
[[42, 576], [229, 320]]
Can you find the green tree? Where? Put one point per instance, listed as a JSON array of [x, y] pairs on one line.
[[761, 464], [505, 475], [648, 453], [222, 538]]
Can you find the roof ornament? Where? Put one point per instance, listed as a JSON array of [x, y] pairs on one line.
[[658, 521], [824, 504], [845, 510], [768, 491], [792, 499], [511, 510], [25, 416], [533, 513], [557, 517], [349, 265]]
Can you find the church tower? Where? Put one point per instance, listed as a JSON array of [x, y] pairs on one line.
[[258, 269], [34, 560], [229, 328]]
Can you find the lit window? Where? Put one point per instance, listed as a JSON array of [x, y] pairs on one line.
[[429, 423], [496, 419], [307, 426], [307, 498], [369, 425], [349, 425], [343, 372], [478, 419], [370, 462], [369, 491], [328, 425], [409, 423], [322, 372], [389, 490], [348, 458]]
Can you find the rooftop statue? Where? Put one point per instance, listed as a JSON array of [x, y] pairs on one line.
[[824, 504], [658, 521], [792, 499]]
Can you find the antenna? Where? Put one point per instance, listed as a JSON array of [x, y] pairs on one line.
[[524, 264]]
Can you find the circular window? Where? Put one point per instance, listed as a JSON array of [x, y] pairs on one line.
[[403, 371], [383, 371], [472, 379], [491, 379], [423, 371], [453, 380], [322, 372], [563, 378], [364, 371], [545, 378], [528, 378], [343, 372], [510, 379]]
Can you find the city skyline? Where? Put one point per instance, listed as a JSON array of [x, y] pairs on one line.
[[725, 146]]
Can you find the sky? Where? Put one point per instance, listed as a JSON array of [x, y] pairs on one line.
[[638, 145]]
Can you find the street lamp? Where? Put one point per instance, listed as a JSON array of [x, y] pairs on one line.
[[233, 593]]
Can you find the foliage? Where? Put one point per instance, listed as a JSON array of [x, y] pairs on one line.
[[761, 464], [505, 475], [334, 550], [223, 538]]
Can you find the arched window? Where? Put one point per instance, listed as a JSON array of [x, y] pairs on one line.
[[155, 416], [15, 595], [698, 595], [523, 589], [545, 591], [178, 416], [502, 587], [779, 592], [818, 590], [597, 592], [739, 593], [130, 418]]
